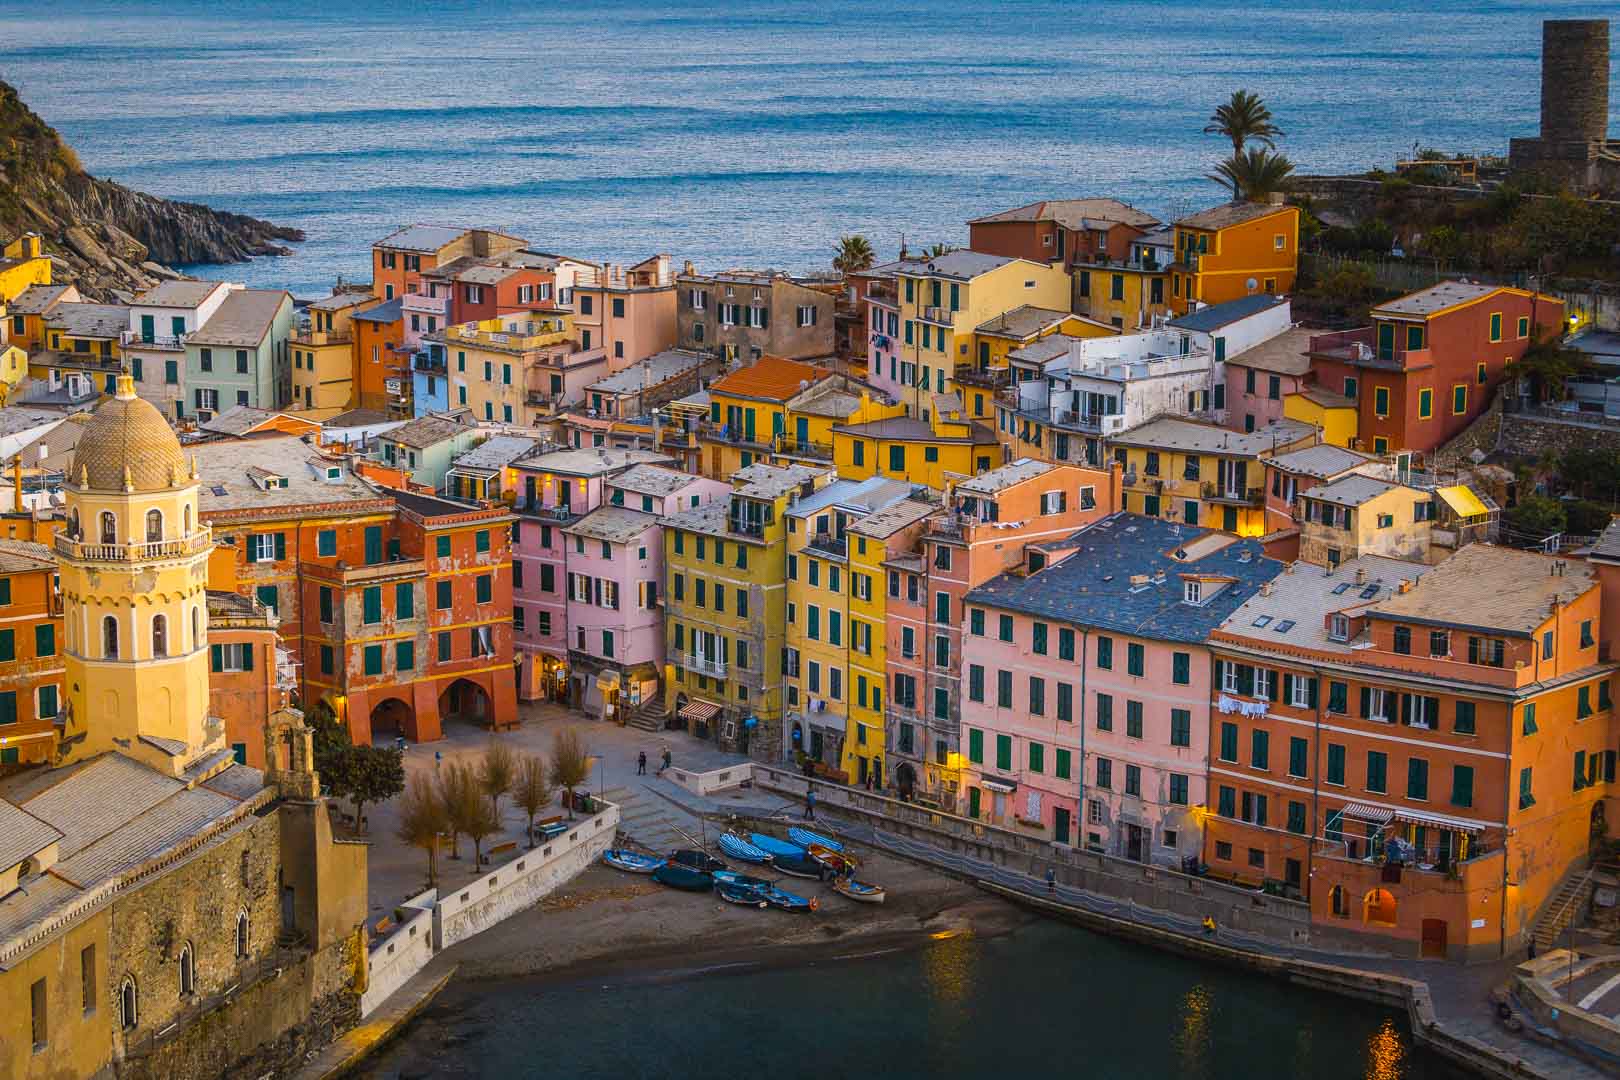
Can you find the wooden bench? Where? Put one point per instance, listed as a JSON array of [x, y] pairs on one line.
[[502, 849], [384, 925], [1235, 880]]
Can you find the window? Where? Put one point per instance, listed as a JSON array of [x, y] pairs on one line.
[[1381, 402], [1464, 724], [1338, 698], [1181, 668], [1462, 785], [160, 636], [1260, 749], [371, 605], [38, 1012], [1229, 742], [484, 585], [1527, 797], [1004, 627], [1038, 639], [1377, 771], [1133, 719], [1403, 640], [109, 637], [1004, 692], [1133, 780], [88, 998], [1061, 765], [1496, 326], [1037, 696], [127, 1017], [1135, 660], [1586, 634], [1335, 764], [976, 746], [373, 659], [1459, 399], [1004, 752], [1105, 774], [976, 683], [1105, 712], [1417, 779], [1530, 718], [1180, 727]]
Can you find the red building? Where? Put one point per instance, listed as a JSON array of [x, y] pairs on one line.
[[1066, 231], [1427, 366], [249, 675]]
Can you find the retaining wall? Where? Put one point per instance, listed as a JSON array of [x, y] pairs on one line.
[[400, 955]]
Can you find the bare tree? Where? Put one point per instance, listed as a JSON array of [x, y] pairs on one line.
[[422, 818], [531, 788], [496, 772], [569, 766], [471, 812], [449, 782]]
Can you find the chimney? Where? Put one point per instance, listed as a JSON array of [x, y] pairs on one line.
[[1265, 588], [1361, 575], [16, 480]]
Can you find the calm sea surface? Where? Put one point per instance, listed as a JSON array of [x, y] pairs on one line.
[[1047, 1001], [732, 133]]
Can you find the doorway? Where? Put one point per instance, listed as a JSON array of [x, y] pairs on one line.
[[973, 802], [1133, 843], [1060, 825], [1434, 939]]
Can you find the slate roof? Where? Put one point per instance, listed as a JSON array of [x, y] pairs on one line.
[[1608, 543], [1280, 355], [1352, 490], [1097, 213], [964, 265], [1306, 595], [1174, 433], [423, 238], [15, 419], [652, 480], [36, 299], [339, 301], [1229, 214], [242, 319], [429, 505], [1014, 472], [911, 429], [862, 495], [762, 481], [1492, 588], [21, 556], [224, 485], [615, 524], [1208, 319], [237, 420], [356, 418], [1022, 321], [1093, 587], [1321, 461], [178, 294], [425, 431], [892, 518], [591, 461], [495, 452], [90, 320], [656, 369], [710, 518], [389, 311], [1436, 298], [22, 834]]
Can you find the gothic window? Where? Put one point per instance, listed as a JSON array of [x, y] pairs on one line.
[[196, 629], [126, 1004], [160, 635], [154, 526], [188, 971], [187, 519], [241, 935], [109, 637]]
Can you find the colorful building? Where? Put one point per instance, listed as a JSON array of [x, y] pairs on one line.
[[240, 355], [1065, 232], [27, 311], [1199, 474], [1234, 251], [1261, 380], [399, 259], [154, 343], [1358, 515], [1430, 362], [80, 352], [323, 352], [746, 315], [1421, 753], [934, 450], [23, 264], [515, 369], [1290, 476], [1088, 680], [1131, 292], [627, 311], [249, 674], [748, 413], [427, 447], [1331, 413], [381, 358], [31, 654], [488, 472]]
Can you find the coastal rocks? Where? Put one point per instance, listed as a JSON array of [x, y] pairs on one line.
[[108, 239]]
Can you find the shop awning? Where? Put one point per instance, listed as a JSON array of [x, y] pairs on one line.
[[1463, 502], [700, 712], [1438, 821], [1372, 815], [996, 783]]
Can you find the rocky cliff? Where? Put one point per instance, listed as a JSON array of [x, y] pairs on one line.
[[104, 236]]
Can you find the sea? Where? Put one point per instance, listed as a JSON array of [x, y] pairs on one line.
[[736, 134]]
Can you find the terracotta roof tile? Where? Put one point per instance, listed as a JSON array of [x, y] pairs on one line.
[[770, 377]]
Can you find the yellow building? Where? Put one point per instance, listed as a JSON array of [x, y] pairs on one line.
[[13, 366], [134, 576], [80, 348], [22, 264], [1321, 408], [943, 301], [933, 449], [725, 607], [1232, 251], [504, 369], [1006, 333], [887, 533], [1200, 474], [1360, 515], [1127, 293], [323, 353]]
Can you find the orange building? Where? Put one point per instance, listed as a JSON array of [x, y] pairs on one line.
[[382, 361], [246, 679], [1420, 753], [1232, 251], [398, 259], [31, 697]]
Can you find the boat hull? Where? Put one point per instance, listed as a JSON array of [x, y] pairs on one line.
[[798, 866], [772, 846], [807, 838], [741, 895], [859, 891], [631, 862], [684, 878], [737, 848], [786, 901], [696, 860]]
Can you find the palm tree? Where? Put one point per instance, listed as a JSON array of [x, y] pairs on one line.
[[422, 819], [937, 250], [570, 767], [854, 254], [1253, 174], [1242, 118], [531, 789]]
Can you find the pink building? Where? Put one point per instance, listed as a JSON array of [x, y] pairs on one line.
[[875, 291], [1261, 377], [1086, 683], [553, 491], [615, 561]]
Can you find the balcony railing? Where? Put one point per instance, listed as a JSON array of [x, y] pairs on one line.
[[828, 544], [745, 527], [1218, 493], [560, 514], [312, 338], [795, 448], [708, 429], [702, 665], [135, 339], [199, 540], [942, 315], [426, 361]]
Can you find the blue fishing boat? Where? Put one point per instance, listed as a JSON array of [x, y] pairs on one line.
[[731, 877], [800, 865], [740, 895], [859, 890], [633, 862], [787, 901], [696, 860], [683, 877], [804, 838], [737, 848], [772, 846]]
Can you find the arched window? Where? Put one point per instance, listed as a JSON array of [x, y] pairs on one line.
[[160, 635], [127, 1004], [241, 935], [109, 527], [188, 971], [187, 519], [109, 637], [154, 526], [196, 629], [73, 524]]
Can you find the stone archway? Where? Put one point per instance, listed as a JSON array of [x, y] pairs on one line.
[[1378, 908], [392, 717], [466, 701]]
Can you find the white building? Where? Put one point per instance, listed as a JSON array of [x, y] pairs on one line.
[[154, 346]]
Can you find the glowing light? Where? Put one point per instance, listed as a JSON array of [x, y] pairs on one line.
[[1385, 1053], [1192, 1040]]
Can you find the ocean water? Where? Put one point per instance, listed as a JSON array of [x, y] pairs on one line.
[[734, 133]]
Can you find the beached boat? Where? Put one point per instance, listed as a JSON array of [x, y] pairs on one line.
[[683, 877], [800, 865], [859, 890], [741, 895], [805, 838], [633, 862], [772, 846], [696, 860], [732, 877], [836, 861], [787, 901], [737, 848]]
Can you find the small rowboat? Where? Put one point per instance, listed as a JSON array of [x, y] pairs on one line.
[[743, 881], [800, 865], [837, 861], [633, 862], [805, 838], [770, 845], [741, 850], [787, 901], [740, 895], [859, 890], [696, 860], [684, 878]]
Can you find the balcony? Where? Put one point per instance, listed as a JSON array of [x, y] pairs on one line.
[[135, 339], [812, 451], [985, 378], [515, 337], [943, 316], [561, 515], [880, 290], [314, 338], [1360, 348], [1218, 493], [702, 665], [746, 527], [428, 362], [200, 539], [827, 544], [708, 429], [355, 575]]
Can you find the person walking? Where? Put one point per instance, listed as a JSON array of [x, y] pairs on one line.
[[810, 805], [1209, 926], [666, 760], [641, 763], [1051, 880]]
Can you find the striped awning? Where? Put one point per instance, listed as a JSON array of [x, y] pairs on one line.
[[996, 783], [1438, 821], [700, 711], [1372, 815]]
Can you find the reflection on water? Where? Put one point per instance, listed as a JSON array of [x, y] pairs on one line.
[[1385, 1053], [1192, 1039]]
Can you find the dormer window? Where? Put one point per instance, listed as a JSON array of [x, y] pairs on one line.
[[1339, 627], [1192, 592]]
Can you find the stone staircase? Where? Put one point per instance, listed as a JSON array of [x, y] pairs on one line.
[[649, 717], [652, 822], [1567, 906]]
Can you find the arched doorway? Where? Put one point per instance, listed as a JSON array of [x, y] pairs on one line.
[[1378, 908], [466, 701], [905, 778], [391, 717]]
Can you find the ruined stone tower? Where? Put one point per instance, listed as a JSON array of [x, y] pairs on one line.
[[1574, 145]]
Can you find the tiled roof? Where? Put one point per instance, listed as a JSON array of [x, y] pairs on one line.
[[649, 373], [1281, 355], [591, 461], [964, 265], [1492, 588], [1352, 490], [1014, 472], [1436, 298], [615, 524], [911, 429], [770, 378], [496, 452], [106, 793], [710, 518], [356, 418], [863, 496], [15, 419], [225, 484], [36, 299], [236, 420], [22, 556], [1094, 587], [1075, 213], [389, 311], [22, 835], [242, 319], [178, 294], [1234, 213], [1174, 433], [423, 238], [652, 480], [90, 320], [426, 431], [1608, 543], [892, 518], [1022, 321], [1215, 316], [1305, 595], [341, 300], [762, 481], [1321, 461]]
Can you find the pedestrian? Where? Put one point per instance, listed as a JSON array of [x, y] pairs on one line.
[[438, 759], [810, 805], [1209, 926], [1051, 880], [667, 759], [641, 763]]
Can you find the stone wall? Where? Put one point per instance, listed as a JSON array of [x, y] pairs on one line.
[[404, 952], [1481, 435], [1530, 435]]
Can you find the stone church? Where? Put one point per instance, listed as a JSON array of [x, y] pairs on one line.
[[165, 910]]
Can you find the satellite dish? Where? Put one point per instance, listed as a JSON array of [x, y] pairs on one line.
[[1252, 284]]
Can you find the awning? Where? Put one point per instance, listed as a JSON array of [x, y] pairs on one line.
[[607, 680], [1438, 821], [1372, 815], [1463, 502], [700, 712], [996, 783]]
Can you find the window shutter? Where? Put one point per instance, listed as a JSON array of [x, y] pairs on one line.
[[247, 657], [1310, 689], [1220, 675], [764, 318], [1271, 686], [1366, 702], [1406, 708], [1245, 679], [214, 657], [281, 546], [1288, 688]]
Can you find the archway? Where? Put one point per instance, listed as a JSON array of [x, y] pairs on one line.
[[1378, 908], [466, 701], [390, 718]]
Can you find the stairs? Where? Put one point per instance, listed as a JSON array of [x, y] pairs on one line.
[[1568, 905], [652, 822], [649, 717]]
